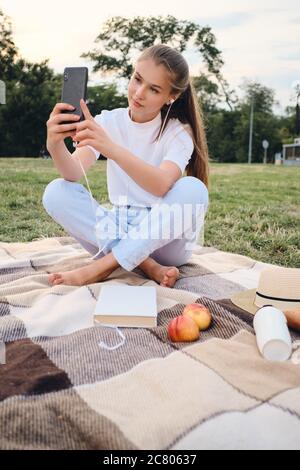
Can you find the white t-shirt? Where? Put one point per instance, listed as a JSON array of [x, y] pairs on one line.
[[175, 145]]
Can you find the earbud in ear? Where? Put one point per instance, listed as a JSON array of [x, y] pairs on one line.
[[171, 101]]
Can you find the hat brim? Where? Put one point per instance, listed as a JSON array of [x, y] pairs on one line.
[[250, 302], [245, 300]]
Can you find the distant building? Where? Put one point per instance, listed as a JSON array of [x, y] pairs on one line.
[[291, 153]]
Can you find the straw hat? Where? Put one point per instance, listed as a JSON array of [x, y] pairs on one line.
[[277, 286]]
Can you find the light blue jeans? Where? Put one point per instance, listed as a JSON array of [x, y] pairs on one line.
[[139, 232]]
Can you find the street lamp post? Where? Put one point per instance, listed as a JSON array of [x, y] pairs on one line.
[[297, 127], [251, 131], [2, 93]]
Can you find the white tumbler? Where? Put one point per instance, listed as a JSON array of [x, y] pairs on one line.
[[272, 334]]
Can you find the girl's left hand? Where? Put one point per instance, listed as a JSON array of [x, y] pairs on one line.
[[88, 132]]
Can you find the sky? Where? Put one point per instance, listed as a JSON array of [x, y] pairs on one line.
[[259, 39]]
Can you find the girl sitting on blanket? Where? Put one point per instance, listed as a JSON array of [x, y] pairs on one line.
[[148, 147]]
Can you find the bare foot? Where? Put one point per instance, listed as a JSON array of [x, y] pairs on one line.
[[95, 272], [169, 274], [166, 276], [77, 277]]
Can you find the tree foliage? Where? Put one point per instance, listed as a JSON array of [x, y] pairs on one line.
[[8, 50], [30, 91], [121, 38], [228, 131]]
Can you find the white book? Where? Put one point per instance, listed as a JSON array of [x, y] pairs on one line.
[[127, 306]]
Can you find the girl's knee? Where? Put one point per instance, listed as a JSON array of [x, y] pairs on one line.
[[50, 193], [192, 189], [55, 194]]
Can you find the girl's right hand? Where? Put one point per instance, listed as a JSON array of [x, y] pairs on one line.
[[56, 130]]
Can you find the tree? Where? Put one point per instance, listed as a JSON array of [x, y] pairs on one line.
[[8, 50], [264, 97], [29, 103], [105, 97], [228, 130], [220, 130], [297, 109], [121, 38], [207, 92], [287, 125]]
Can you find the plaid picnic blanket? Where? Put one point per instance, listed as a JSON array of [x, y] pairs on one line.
[[60, 390]]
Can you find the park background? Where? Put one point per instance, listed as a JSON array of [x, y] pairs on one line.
[[244, 60]]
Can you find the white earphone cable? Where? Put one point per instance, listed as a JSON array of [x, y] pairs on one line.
[[127, 187], [102, 344]]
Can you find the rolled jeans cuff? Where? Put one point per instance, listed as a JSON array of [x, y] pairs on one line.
[[124, 263]]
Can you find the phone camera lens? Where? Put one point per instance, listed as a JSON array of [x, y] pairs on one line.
[[66, 76]]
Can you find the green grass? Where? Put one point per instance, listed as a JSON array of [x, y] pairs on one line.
[[254, 211]]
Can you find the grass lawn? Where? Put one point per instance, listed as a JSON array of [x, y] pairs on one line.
[[254, 211]]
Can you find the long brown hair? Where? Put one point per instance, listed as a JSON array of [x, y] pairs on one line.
[[186, 108]]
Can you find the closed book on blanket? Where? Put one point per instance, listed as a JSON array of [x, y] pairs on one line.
[[127, 306]]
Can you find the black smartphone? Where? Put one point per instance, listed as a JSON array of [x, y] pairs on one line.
[[74, 88]]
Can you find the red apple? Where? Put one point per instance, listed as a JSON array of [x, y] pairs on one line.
[[200, 314], [182, 329]]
